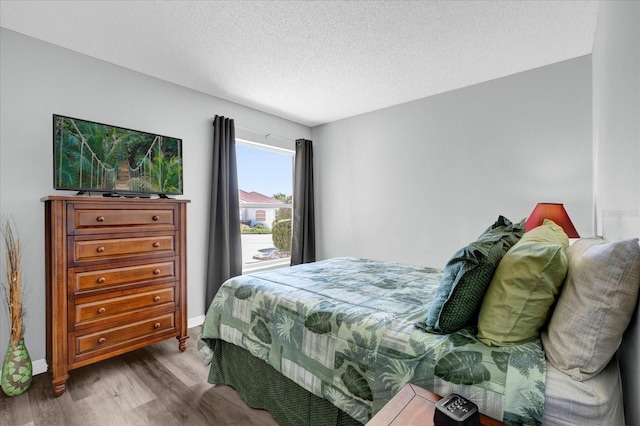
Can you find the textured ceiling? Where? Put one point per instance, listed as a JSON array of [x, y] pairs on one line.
[[315, 61]]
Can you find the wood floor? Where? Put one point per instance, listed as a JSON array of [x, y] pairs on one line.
[[157, 385]]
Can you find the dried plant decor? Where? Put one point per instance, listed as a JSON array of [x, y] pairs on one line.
[[13, 286], [17, 369]]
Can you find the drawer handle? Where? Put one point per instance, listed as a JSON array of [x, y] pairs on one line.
[[156, 325], [102, 310], [100, 249], [101, 280], [156, 299], [156, 272], [156, 218], [156, 244], [100, 218], [101, 340]]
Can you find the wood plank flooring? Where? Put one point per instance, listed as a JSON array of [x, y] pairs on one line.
[[157, 385]]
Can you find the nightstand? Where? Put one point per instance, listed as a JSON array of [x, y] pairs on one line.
[[415, 406]]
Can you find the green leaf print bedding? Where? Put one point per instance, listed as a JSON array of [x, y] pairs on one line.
[[345, 330]]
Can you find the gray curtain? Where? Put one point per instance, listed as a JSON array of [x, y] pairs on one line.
[[225, 249], [303, 244]]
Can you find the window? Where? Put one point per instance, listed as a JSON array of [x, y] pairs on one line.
[[265, 183]]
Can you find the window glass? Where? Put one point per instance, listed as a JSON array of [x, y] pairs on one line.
[[265, 182]]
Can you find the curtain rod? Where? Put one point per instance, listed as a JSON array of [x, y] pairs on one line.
[[266, 134]]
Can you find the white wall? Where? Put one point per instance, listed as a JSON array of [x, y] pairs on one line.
[[616, 130], [616, 119], [414, 182], [37, 80]]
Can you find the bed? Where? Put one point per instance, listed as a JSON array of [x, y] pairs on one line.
[[331, 342]]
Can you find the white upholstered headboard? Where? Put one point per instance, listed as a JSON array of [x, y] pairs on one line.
[[629, 359]]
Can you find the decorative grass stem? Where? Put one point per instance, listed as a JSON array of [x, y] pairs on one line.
[[14, 280]]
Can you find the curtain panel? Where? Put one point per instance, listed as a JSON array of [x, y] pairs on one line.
[[225, 248], [303, 239]]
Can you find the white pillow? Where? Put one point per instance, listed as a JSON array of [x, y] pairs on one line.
[[595, 306]]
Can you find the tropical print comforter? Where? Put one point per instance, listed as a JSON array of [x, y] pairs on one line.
[[346, 329]]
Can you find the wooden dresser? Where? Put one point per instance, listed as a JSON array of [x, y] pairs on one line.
[[116, 278]]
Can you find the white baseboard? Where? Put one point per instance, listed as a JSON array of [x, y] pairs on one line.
[[195, 321], [40, 365]]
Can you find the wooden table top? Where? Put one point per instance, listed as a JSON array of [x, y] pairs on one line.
[[415, 406]]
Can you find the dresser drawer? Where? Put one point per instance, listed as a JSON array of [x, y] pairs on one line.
[[109, 307], [114, 336], [87, 219], [103, 278], [118, 247]]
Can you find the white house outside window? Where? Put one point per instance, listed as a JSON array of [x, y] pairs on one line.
[[265, 181]]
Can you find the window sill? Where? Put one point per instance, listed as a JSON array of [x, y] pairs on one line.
[[266, 265]]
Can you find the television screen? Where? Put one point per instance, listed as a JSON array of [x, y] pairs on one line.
[[96, 157]]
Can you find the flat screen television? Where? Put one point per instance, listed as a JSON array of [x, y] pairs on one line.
[[94, 157]]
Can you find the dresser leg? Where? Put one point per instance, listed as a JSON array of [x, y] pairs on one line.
[[182, 345], [60, 385]]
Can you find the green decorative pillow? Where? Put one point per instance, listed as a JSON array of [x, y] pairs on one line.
[[524, 287], [595, 306], [467, 275]]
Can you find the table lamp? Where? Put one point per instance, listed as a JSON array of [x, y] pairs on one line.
[[554, 212]]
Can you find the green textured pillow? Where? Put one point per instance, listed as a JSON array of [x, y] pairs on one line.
[[467, 275], [524, 287]]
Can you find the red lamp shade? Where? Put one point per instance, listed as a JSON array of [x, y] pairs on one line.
[[554, 212]]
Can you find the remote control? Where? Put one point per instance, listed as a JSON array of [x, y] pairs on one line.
[[454, 410]]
